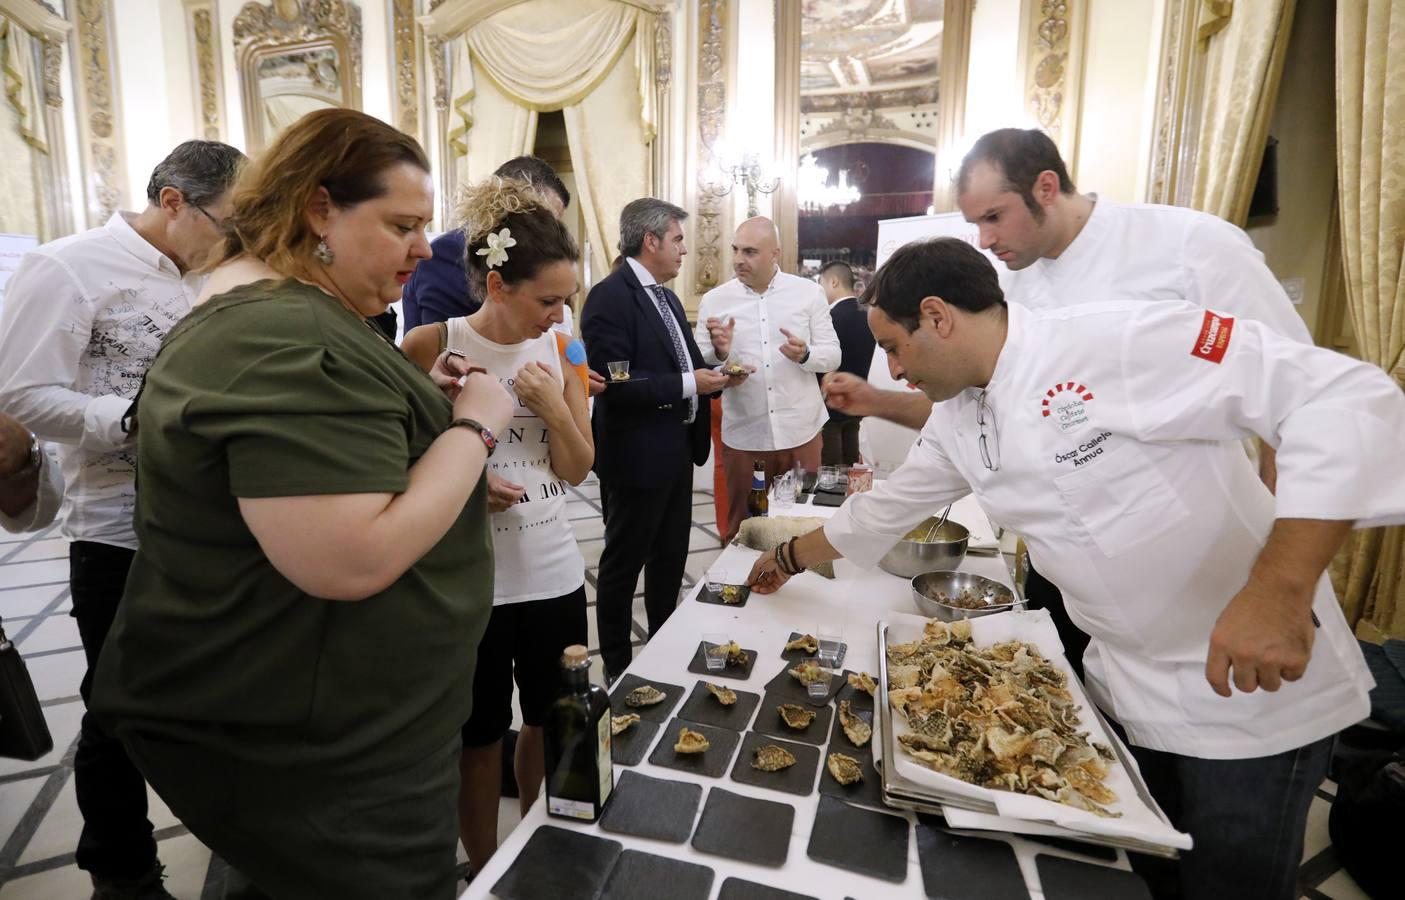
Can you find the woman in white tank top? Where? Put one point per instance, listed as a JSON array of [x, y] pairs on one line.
[[524, 262]]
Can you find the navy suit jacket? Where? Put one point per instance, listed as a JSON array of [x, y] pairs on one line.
[[641, 438], [856, 343], [438, 289]]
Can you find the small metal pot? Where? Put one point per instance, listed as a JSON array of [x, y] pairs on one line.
[[945, 550], [929, 585]]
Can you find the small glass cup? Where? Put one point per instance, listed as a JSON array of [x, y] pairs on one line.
[[619, 370], [831, 641], [828, 477], [783, 496], [714, 578], [715, 651], [819, 690]]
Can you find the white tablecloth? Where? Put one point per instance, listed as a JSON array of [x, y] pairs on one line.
[[855, 600]]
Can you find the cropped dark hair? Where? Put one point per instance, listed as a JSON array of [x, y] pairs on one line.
[[841, 270], [200, 170], [1020, 154], [497, 203], [538, 172], [646, 215], [943, 267], [345, 151]]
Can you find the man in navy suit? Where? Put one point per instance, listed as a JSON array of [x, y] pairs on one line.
[[650, 430]]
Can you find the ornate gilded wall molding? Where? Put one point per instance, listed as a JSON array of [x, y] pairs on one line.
[[1054, 69], [99, 125], [785, 202], [209, 99], [661, 149], [404, 71], [711, 114], [1176, 130]]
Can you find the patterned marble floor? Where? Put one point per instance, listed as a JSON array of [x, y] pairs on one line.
[[39, 820]]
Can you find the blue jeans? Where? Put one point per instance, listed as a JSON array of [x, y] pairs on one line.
[[1247, 817]]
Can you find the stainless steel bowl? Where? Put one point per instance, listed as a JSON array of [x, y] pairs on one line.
[[945, 550], [929, 585]]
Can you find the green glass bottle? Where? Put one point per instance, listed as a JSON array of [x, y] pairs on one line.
[[579, 772]]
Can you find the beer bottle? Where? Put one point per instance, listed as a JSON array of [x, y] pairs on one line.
[[756, 503], [579, 771]]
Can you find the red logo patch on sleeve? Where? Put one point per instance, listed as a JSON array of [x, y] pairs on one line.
[[1214, 337]]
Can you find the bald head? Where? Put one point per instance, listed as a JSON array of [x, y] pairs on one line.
[[755, 251]]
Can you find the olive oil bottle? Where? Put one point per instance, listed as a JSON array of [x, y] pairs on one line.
[[579, 772], [756, 502]]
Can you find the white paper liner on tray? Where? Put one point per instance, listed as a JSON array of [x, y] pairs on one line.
[[1138, 821]]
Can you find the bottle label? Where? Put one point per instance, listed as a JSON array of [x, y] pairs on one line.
[[574, 809], [605, 764]]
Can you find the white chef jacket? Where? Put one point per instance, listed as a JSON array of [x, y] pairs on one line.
[[83, 319], [41, 512], [1136, 251], [1111, 424], [780, 405]]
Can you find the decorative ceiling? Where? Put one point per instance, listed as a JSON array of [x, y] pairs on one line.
[[863, 46]]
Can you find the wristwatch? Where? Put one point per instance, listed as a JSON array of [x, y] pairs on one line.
[[32, 463], [806, 358], [484, 432]]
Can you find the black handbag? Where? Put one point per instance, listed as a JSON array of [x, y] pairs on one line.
[[23, 732]]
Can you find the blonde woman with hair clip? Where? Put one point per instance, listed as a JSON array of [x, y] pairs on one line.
[[293, 658], [523, 262]]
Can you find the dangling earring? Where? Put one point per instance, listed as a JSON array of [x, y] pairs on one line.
[[324, 253]]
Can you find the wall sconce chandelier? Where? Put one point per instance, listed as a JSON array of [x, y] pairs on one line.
[[731, 167], [814, 191]]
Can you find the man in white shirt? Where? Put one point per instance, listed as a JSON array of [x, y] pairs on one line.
[[776, 325], [1063, 248], [84, 317], [1104, 434], [30, 487]]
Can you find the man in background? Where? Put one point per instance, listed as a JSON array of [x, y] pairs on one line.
[[84, 317], [778, 326], [841, 433]]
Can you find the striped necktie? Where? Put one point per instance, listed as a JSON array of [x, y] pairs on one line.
[[684, 365]]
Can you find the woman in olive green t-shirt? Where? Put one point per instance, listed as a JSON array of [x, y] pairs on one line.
[[293, 657]]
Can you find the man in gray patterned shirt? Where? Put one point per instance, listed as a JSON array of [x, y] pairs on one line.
[[82, 321]]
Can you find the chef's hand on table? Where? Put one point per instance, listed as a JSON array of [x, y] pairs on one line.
[[849, 394], [766, 576], [794, 348]]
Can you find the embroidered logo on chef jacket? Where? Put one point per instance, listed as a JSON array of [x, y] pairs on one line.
[[1066, 406], [1214, 337]]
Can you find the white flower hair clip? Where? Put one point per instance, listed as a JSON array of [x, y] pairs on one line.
[[496, 251]]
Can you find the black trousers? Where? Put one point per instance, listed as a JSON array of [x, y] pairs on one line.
[[116, 841], [1041, 593], [841, 443], [648, 530]]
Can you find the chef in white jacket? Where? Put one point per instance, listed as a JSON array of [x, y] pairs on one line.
[[1104, 435]]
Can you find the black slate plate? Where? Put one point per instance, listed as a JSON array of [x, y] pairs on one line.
[[652, 807], [739, 889], [745, 828], [789, 686], [869, 791], [1097, 851], [557, 863], [955, 866], [659, 712], [860, 840], [699, 666], [644, 876], [768, 720], [706, 596], [702, 707], [628, 749], [795, 656], [838, 740], [712, 762], [1068, 879], [859, 700], [825, 498], [796, 779]]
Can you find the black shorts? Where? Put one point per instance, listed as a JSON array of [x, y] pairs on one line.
[[523, 643]]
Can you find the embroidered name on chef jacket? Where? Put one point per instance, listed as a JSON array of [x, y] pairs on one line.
[[1065, 405], [1214, 337], [1085, 452]]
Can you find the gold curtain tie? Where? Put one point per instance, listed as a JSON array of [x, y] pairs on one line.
[[1216, 14]]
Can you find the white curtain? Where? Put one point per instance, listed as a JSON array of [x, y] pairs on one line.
[[591, 59], [22, 87]]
